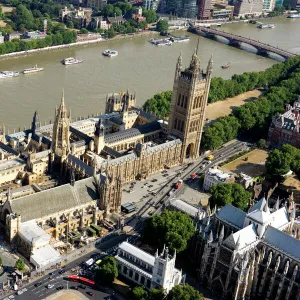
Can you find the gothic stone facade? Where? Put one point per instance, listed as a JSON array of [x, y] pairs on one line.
[[285, 128], [249, 255]]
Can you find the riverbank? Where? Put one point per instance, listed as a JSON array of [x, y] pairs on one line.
[[83, 43]]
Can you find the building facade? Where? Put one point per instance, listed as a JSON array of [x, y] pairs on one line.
[[284, 128], [248, 8], [188, 105], [204, 9], [215, 176], [252, 255], [144, 269]]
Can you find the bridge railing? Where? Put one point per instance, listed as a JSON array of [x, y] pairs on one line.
[[245, 40]]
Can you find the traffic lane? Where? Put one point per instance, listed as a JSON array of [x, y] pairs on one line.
[[34, 291], [43, 292]]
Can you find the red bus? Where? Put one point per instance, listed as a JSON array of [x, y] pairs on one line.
[[193, 176], [178, 184], [80, 279]]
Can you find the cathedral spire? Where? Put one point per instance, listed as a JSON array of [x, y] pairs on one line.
[[210, 65], [35, 125]]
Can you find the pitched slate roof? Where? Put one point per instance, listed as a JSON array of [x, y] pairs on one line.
[[242, 238], [132, 132], [258, 205], [232, 215], [50, 201], [137, 252], [283, 242]]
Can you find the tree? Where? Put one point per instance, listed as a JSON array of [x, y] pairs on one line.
[[156, 294], [150, 15], [162, 26], [69, 24], [277, 163], [111, 33], [138, 293], [107, 271], [159, 104], [184, 292], [171, 228], [229, 193], [262, 143], [20, 265]]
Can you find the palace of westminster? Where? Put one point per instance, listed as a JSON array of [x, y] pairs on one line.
[[240, 255]]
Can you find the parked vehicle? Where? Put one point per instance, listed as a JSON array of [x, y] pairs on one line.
[[178, 184]]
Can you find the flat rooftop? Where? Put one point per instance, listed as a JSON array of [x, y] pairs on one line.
[[13, 163]]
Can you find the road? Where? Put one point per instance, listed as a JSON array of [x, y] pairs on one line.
[[155, 204]]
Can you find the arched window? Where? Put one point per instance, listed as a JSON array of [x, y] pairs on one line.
[[175, 123], [182, 125], [185, 102], [182, 100], [178, 100]]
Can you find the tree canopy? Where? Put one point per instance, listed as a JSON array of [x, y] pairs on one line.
[[20, 265], [162, 26], [107, 271], [184, 292], [140, 293], [281, 161], [171, 228], [159, 104], [229, 193]]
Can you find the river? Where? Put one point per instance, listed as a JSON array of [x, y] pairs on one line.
[[140, 67]]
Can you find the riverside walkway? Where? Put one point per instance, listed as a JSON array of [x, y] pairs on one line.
[[236, 40]]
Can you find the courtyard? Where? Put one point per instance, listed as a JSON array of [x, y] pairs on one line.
[[252, 163]]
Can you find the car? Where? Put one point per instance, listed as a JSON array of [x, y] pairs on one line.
[[24, 290], [19, 293], [52, 273], [221, 155], [50, 286], [38, 284], [11, 297], [150, 186], [60, 288], [74, 287], [61, 271], [153, 180], [90, 293], [82, 286]]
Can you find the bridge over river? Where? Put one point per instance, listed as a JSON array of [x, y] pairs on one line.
[[236, 40]]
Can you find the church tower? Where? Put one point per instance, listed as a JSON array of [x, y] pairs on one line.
[[188, 105], [35, 124], [61, 136], [99, 136], [164, 274]]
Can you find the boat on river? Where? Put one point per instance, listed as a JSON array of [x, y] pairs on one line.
[[71, 61], [180, 39], [226, 66], [161, 42], [33, 70], [294, 16], [110, 53], [8, 74], [263, 26]]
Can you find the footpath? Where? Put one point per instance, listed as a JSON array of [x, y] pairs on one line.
[[82, 43]]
